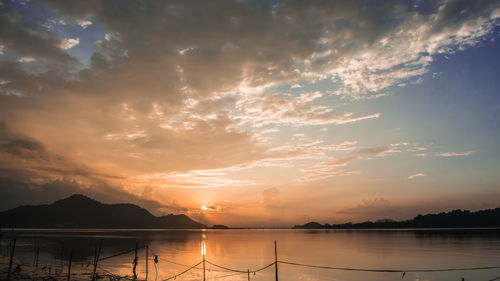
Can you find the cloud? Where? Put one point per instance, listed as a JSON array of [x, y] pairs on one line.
[[84, 23], [29, 39], [343, 146], [68, 43], [374, 208], [26, 59], [388, 61], [378, 151], [455, 154], [417, 175], [181, 97], [192, 179], [302, 110], [17, 192], [31, 174], [30, 157], [327, 169]]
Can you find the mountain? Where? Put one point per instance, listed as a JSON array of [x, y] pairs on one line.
[[453, 219], [310, 225], [83, 212]]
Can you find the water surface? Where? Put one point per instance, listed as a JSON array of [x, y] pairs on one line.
[[249, 249]]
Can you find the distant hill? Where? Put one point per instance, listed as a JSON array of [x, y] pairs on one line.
[[83, 212], [453, 219]]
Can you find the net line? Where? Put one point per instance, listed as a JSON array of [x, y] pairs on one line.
[[237, 270], [389, 270], [183, 272]]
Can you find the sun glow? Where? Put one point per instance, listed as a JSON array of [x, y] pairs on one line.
[[203, 207]]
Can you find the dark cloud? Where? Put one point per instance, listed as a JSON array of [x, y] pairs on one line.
[[454, 13], [27, 154], [15, 193], [161, 44], [31, 174], [25, 37]]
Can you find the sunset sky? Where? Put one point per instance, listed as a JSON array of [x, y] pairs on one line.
[[266, 113]]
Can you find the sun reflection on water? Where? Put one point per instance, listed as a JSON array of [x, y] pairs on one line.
[[203, 248]]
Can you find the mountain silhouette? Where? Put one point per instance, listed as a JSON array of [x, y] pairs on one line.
[[80, 211], [453, 219]]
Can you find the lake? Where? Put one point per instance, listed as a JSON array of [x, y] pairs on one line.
[[250, 249]]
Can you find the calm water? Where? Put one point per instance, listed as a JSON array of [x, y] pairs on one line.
[[252, 249]]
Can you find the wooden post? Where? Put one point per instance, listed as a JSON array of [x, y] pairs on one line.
[[203, 253], [276, 260], [69, 264], [248, 273], [11, 258], [62, 253], [37, 254], [34, 256], [135, 262], [95, 256], [203, 267], [147, 262], [96, 259]]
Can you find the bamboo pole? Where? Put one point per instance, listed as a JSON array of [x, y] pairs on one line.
[[34, 256], [276, 260], [96, 259], [62, 252], [203, 266], [203, 253], [69, 265], [93, 263], [37, 254], [11, 257], [147, 256], [135, 262]]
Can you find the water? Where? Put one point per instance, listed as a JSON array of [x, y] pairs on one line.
[[252, 249]]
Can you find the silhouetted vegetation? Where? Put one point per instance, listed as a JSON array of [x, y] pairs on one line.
[[79, 211], [219, 226], [453, 219]]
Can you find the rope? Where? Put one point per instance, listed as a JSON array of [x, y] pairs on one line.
[[109, 273], [180, 264], [224, 276], [117, 254], [176, 263], [240, 271], [177, 275], [226, 268], [498, 278], [173, 262], [260, 269], [389, 270]]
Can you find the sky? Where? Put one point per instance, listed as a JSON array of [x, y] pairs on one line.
[[252, 113]]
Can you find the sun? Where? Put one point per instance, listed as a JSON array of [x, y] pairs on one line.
[[203, 207]]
